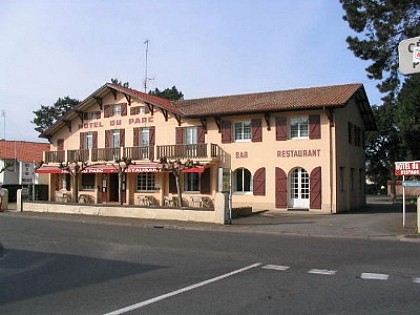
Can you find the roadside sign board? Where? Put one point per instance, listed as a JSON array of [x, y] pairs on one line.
[[411, 184], [409, 55], [407, 168]]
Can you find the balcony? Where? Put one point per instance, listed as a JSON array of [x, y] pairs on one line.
[[189, 151], [206, 152]]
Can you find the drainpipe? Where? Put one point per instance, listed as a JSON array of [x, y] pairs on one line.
[[330, 116]]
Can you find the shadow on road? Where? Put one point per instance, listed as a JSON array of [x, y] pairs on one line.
[[27, 274]]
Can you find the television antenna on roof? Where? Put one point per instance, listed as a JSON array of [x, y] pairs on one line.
[[146, 78]]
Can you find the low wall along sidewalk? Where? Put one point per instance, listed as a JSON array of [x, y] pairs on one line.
[[218, 215]]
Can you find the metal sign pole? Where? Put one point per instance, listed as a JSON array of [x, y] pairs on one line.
[[403, 195]]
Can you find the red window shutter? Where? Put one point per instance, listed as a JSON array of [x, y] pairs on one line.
[[205, 182], [201, 135], [124, 109], [258, 182], [107, 138], [281, 188], [57, 182], [281, 128], [107, 111], [314, 127], [98, 115], [152, 135], [315, 188], [136, 137], [226, 132], [256, 130], [146, 109], [82, 140], [60, 144], [122, 138], [172, 184], [95, 140], [179, 135]]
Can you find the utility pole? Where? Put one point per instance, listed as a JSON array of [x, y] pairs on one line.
[[3, 114], [146, 78]]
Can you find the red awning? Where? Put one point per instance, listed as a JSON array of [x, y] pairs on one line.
[[143, 168], [100, 169], [48, 169], [197, 169]]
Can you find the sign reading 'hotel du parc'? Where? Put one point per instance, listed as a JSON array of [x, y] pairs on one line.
[[407, 168]]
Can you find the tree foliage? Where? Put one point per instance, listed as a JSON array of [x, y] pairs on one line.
[[118, 82], [46, 116], [384, 146], [408, 116], [176, 167], [382, 25], [168, 93]]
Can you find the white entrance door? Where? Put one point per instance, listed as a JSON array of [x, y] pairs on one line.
[[299, 189]]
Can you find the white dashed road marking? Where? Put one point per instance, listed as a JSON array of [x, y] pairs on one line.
[[323, 272], [173, 293], [374, 276], [416, 280], [276, 267]]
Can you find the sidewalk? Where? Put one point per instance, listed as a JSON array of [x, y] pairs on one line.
[[379, 220]]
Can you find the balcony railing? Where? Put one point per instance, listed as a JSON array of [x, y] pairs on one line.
[[81, 155], [188, 151], [106, 154], [140, 153], [55, 156]]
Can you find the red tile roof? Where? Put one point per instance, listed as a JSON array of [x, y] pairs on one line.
[[22, 150], [305, 98], [155, 100]]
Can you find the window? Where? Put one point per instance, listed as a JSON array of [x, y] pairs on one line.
[[115, 138], [89, 140], [144, 137], [116, 110], [91, 115], [191, 135], [192, 182], [352, 179], [341, 183], [138, 110], [299, 128], [299, 184], [146, 182], [242, 180], [350, 132], [242, 131], [88, 181]]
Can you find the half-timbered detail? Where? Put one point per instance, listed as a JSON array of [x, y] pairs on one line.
[[285, 150]]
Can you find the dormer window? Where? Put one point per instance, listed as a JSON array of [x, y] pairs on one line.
[[116, 110]]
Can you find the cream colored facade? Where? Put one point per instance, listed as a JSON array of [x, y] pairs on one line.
[[320, 170]]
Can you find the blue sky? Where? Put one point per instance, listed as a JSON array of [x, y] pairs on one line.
[[52, 49]]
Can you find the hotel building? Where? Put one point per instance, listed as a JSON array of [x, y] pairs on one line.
[[299, 149]]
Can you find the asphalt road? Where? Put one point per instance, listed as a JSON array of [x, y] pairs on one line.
[[59, 266]]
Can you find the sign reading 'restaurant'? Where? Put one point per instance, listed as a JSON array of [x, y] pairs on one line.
[[298, 153], [407, 168]]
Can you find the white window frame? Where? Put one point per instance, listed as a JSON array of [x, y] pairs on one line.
[[116, 110], [242, 131], [299, 127], [89, 140], [191, 135], [243, 182], [146, 182], [190, 180], [115, 139]]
